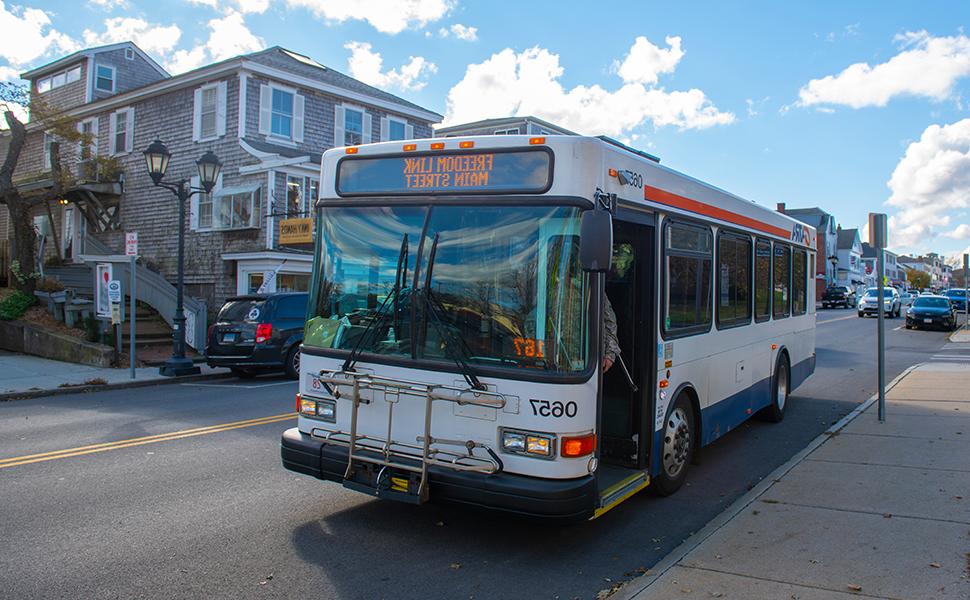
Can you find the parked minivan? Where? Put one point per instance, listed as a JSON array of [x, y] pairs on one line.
[[258, 333]]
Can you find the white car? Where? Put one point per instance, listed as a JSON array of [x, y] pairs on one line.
[[906, 299], [869, 303]]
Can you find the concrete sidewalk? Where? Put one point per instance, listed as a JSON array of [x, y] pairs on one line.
[[878, 510], [24, 375]]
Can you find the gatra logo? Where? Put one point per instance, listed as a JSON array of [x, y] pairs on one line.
[[801, 234]]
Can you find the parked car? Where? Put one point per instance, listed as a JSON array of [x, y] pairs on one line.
[[932, 311], [838, 295], [906, 299], [868, 305], [258, 333], [958, 298]]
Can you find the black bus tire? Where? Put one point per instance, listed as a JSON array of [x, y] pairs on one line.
[[780, 389]]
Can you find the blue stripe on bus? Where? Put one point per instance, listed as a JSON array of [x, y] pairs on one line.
[[722, 417]]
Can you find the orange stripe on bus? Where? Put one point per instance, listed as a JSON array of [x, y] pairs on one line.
[[664, 197]]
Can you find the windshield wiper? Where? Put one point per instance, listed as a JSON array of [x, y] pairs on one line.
[[400, 276], [431, 306]]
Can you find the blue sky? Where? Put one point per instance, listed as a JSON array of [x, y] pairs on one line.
[[846, 106]]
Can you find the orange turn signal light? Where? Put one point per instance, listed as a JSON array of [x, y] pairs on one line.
[[466, 144], [410, 147], [298, 402], [613, 172], [437, 145], [578, 446], [664, 383], [774, 346], [536, 141], [351, 150]]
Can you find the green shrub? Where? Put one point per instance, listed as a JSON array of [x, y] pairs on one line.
[[15, 305]]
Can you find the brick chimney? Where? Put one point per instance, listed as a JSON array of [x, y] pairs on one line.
[[781, 207]]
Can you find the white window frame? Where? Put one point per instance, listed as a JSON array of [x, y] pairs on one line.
[[213, 90], [44, 85], [220, 111], [266, 114], [93, 148], [386, 129], [340, 121], [215, 199], [76, 68], [50, 82], [114, 74], [129, 131], [347, 131], [129, 54]]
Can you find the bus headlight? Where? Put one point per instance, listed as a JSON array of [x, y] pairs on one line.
[[529, 443]]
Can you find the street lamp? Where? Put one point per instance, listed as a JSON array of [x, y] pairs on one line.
[[157, 158], [834, 260]]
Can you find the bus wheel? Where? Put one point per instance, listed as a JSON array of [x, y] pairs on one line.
[[775, 411], [677, 448]]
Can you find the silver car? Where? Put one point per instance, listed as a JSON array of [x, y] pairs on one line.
[[869, 302]]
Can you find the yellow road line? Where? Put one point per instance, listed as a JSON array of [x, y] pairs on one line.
[[150, 439]]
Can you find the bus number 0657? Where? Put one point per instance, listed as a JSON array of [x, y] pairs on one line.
[[545, 408]]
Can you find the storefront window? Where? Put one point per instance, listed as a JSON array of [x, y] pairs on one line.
[[292, 282]]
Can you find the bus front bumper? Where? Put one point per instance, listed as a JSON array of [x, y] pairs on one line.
[[555, 499]]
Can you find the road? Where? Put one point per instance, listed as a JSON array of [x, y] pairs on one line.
[[94, 506]]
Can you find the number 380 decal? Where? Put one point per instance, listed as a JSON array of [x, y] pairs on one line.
[[546, 408]]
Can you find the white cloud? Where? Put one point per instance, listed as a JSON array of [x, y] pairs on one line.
[[109, 4], [926, 66], [9, 74], [931, 184], [962, 232], [366, 66], [527, 83], [228, 37], [150, 37], [28, 35], [243, 6], [469, 34], [646, 62], [386, 16]]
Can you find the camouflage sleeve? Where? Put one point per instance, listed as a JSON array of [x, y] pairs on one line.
[[611, 346]]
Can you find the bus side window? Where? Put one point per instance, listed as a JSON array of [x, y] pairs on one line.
[[798, 286], [782, 278], [688, 258], [733, 280], [762, 281]]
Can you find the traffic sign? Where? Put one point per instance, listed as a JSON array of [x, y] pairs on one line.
[[114, 291], [131, 243]]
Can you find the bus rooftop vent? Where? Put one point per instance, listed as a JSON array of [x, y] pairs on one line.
[[620, 144]]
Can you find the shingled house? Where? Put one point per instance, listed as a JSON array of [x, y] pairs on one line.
[[268, 116]]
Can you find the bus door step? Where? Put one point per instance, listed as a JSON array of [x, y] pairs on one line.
[[386, 483], [622, 490]]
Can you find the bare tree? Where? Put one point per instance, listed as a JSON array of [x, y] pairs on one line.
[[20, 203]]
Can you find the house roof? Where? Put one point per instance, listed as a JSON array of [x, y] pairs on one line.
[[499, 122], [814, 216], [847, 238], [88, 53], [306, 66], [284, 151]]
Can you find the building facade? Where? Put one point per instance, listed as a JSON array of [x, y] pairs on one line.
[[895, 276], [268, 116], [504, 126], [849, 254]]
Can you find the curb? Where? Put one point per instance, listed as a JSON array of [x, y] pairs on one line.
[[82, 389], [635, 587]]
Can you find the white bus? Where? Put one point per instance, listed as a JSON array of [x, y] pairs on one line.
[[454, 343]]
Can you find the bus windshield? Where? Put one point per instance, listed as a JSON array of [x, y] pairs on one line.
[[506, 287]]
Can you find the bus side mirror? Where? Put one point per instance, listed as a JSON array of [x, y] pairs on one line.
[[596, 240]]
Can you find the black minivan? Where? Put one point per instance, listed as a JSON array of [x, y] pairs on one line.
[[258, 333]]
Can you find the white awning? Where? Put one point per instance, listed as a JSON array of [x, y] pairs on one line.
[[232, 191]]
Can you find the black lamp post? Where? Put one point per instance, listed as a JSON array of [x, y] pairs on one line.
[[156, 158], [834, 260]]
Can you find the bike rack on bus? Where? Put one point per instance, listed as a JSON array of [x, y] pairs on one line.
[[413, 458]]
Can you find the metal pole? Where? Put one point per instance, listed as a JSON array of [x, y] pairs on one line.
[[178, 364], [966, 291], [881, 265], [131, 333]]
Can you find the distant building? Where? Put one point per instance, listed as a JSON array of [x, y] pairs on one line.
[[849, 266], [504, 126], [894, 276], [826, 245]]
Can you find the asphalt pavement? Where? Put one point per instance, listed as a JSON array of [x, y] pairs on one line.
[[176, 491]]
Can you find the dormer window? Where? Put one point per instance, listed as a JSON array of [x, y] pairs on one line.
[[104, 80], [58, 79], [129, 54]]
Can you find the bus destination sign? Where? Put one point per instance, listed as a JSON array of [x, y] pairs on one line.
[[470, 172]]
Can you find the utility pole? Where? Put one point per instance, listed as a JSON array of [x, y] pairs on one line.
[[878, 232]]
